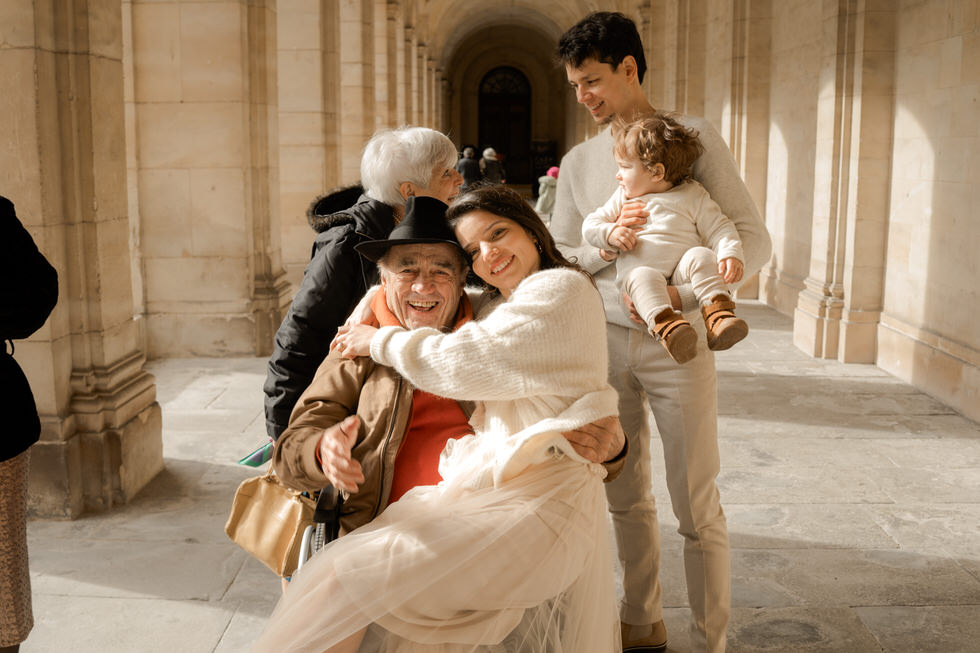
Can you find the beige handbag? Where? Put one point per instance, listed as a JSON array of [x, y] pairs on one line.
[[268, 519]]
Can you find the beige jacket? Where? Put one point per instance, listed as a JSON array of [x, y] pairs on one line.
[[342, 387]]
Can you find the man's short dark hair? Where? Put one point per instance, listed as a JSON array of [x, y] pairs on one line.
[[606, 36]]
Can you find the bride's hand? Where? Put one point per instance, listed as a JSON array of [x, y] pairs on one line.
[[353, 341], [362, 313]]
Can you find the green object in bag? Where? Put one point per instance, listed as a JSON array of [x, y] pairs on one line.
[[260, 456]]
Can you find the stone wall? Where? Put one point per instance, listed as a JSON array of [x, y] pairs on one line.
[[205, 146], [928, 334]]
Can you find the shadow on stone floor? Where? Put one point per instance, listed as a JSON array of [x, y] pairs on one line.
[[789, 594], [822, 406]]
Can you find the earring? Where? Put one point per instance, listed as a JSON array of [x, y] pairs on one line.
[[537, 243]]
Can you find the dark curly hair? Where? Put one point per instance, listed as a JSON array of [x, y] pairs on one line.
[[510, 204], [659, 138], [606, 36]]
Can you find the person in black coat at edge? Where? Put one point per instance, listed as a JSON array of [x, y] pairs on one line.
[[28, 293], [396, 164]]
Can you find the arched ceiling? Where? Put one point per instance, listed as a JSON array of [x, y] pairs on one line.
[[445, 25]]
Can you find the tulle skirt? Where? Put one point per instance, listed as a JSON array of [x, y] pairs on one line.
[[524, 566]]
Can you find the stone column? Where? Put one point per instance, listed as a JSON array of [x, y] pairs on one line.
[[268, 289], [428, 89], [401, 69], [308, 67], [670, 51], [444, 102], [382, 45], [420, 82], [65, 162], [691, 76], [422, 74], [650, 23], [355, 37], [683, 53], [748, 116], [411, 78], [207, 129], [838, 310]]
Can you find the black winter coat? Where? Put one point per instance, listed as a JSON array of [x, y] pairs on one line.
[[335, 280], [28, 293]]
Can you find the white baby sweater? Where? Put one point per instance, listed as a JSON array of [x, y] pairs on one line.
[[537, 361], [680, 218]]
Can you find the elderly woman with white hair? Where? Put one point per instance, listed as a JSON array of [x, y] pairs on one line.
[[396, 164]]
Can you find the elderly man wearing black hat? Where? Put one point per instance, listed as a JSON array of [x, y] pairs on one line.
[[393, 442]]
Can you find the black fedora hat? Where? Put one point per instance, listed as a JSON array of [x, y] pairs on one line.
[[424, 222]]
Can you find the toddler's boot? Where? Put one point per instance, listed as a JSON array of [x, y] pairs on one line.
[[724, 329], [676, 335]]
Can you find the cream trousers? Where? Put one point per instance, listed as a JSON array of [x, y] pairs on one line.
[[645, 279], [683, 399]]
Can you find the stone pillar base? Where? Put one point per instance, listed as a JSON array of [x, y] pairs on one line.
[[816, 323], [55, 487], [95, 471], [858, 336], [106, 450], [118, 463], [269, 307]]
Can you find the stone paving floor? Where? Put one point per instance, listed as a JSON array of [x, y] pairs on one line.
[[853, 502]]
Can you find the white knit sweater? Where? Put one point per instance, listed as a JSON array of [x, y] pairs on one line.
[[537, 361], [588, 178]]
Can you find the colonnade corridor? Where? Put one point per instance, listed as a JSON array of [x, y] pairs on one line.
[[852, 503]]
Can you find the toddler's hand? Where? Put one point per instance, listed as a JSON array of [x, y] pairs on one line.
[[622, 238], [608, 255], [632, 215], [730, 269]]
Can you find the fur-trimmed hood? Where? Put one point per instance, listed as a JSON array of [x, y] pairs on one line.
[[327, 210]]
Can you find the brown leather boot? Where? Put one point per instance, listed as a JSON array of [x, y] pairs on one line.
[[724, 329], [676, 335], [654, 642]]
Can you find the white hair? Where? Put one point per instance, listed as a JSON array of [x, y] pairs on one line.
[[394, 156]]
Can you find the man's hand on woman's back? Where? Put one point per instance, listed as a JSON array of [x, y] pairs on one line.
[[599, 441]]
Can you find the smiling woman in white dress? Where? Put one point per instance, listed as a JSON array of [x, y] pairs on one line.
[[511, 551]]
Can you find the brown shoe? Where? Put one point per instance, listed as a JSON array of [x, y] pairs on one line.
[[655, 642], [724, 329], [676, 335]]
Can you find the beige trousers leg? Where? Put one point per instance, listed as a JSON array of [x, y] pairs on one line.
[[683, 399]]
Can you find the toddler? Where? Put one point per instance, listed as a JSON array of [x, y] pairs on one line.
[[686, 238]]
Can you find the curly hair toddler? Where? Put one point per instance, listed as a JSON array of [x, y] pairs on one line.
[[686, 237]]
